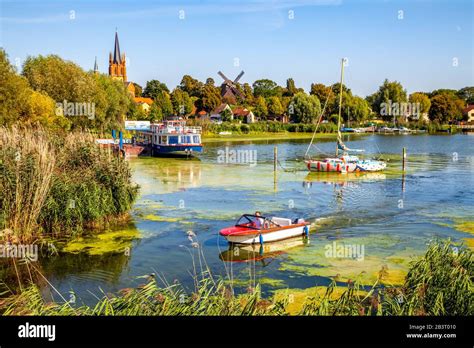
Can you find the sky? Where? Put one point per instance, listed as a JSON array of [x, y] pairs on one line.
[[424, 44]]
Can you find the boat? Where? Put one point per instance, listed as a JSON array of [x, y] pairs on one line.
[[345, 163], [173, 138], [253, 229]]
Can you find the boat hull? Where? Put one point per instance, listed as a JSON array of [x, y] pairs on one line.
[[176, 150], [361, 166], [259, 236]]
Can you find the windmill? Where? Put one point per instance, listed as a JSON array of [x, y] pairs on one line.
[[229, 88]]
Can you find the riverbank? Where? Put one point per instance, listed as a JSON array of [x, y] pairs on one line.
[[439, 283], [58, 185]]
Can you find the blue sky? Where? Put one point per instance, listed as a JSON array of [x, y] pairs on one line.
[[270, 39]]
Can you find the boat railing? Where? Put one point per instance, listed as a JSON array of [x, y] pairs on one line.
[[179, 130]]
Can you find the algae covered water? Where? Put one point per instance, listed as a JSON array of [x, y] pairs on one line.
[[362, 224]]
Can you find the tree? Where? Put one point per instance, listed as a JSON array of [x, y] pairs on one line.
[[226, 115], [265, 88], [191, 86], [211, 97], [358, 109], [422, 100], [467, 94], [445, 107], [14, 93], [304, 108], [155, 114], [274, 106], [389, 92], [153, 88], [291, 89], [163, 101], [182, 103], [322, 92], [138, 89], [260, 110], [248, 94]]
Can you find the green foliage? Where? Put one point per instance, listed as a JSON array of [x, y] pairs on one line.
[[440, 283], [274, 106], [154, 88], [265, 88], [59, 185], [211, 97], [304, 108], [182, 103], [163, 101], [422, 99], [466, 94], [191, 86], [260, 110], [388, 92]]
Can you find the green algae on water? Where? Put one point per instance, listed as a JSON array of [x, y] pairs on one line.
[[108, 242]]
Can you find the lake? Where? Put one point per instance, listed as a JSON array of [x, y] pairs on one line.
[[386, 218]]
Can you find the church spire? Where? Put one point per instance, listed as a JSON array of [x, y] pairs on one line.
[[117, 56], [96, 67]]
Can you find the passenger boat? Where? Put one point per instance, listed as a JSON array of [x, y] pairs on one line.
[[172, 138], [252, 229], [345, 163]]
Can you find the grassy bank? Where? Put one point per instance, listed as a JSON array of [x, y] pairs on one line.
[[439, 283], [58, 185]]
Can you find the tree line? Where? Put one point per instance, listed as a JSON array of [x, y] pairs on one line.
[[47, 82]]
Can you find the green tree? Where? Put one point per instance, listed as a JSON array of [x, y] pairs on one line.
[[163, 101], [467, 94], [155, 114], [226, 115], [291, 88], [422, 100], [260, 109], [191, 86], [358, 109], [248, 94], [389, 92], [211, 97], [182, 103], [322, 92], [274, 106], [304, 108], [265, 88], [154, 88]]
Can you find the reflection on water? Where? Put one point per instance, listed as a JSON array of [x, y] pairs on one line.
[[260, 252], [391, 215]]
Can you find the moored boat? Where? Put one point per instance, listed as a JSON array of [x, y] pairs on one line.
[[253, 229]]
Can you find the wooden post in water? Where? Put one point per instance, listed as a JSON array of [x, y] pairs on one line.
[[275, 160], [404, 157]]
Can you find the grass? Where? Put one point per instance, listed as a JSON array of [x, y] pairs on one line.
[[59, 185], [439, 283]]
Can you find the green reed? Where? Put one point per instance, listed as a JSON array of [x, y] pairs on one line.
[[439, 283]]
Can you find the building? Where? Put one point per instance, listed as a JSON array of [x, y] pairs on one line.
[[279, 118], [468, 113], [216, 114], [244, 114], [143, 103], [117, 62]]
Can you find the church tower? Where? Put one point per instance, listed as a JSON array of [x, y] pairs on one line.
[[117, 68]]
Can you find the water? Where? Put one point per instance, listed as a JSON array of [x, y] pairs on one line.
[[391, 216]]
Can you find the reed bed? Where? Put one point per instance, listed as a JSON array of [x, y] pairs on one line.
[[58, 185], [444, 276]]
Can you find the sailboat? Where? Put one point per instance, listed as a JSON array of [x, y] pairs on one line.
[[346, 162]]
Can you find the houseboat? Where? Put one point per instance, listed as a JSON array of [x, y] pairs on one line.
[[172, 138]]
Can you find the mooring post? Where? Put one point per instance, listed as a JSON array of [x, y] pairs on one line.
[[404, 157], [275, 159]]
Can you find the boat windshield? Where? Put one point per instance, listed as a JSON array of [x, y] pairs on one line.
[[251, 221]]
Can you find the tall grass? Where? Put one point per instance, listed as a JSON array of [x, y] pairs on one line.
[[444, 277], [58, 185]]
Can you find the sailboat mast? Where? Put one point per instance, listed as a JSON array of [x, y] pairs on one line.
[[340, 107]]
